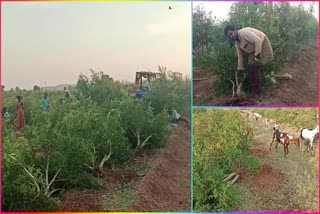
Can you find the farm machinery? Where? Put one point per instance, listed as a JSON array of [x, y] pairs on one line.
[[142, 83]]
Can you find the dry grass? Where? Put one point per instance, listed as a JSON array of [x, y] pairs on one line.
[[297, 183]]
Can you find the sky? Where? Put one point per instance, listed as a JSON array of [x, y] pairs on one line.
[[52, 43], [221, 9]]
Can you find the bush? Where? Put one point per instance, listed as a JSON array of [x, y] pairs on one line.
[[78, 136], [220, 148], [100, 87], [169, 92], [138, 119], [210, 194], [18, 189]]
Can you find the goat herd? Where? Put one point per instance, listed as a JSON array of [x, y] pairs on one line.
[[306, 135]]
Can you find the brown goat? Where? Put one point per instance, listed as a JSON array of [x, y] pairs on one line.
[[247, 132], [282, 138], [294, 140]]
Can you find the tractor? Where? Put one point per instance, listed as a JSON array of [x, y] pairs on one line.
[[142, 83]]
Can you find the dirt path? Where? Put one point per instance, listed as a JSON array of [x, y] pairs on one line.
[[202, 87], [158, 181], [301, 90], [283, 183], [167, 186]]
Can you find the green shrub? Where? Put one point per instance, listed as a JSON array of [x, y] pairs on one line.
[[100, 87], [169, 92], [210, 194], [251, 164], [220, 148], [78, 136], [138, 119], [18, 189]]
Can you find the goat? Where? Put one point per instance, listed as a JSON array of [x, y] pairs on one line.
[[247, 132], [282, 138], [275, 126], [256, 116], [247, 115], [308, 135], [294, 140], [286, 144], [267, 122]]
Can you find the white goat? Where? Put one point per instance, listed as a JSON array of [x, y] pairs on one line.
[[267, 122], [308, 135], [275, 126], [247, 115], [256, 116]]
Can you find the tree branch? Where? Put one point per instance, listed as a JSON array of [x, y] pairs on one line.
[[145, 142], [105, 157], [233, 85]]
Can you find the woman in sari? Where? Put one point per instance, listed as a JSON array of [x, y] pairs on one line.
[[20, 118]]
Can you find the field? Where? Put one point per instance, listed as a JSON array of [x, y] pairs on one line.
[[268, 180], [105, 151], [289, 80]]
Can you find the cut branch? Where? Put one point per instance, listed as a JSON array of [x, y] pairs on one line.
[[33, 178], [53, 179], [45, 185], [234, 179], [232, 87], [106, 157], [229, 177], [145, 141], [239, 83], [283, 76]]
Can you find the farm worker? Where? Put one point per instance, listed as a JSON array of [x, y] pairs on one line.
[[45, 103], [67, 99], [20, 119], [258, 47], [5, 115], [177, 117]]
